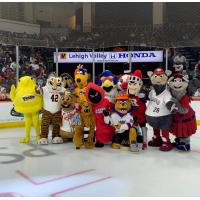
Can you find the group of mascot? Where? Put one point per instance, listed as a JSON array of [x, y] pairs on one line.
[[115, 111]]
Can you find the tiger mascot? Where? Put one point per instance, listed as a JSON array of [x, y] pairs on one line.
[[51, 94]]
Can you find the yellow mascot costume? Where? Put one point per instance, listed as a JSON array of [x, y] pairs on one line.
[[81, 81], [28, 102]]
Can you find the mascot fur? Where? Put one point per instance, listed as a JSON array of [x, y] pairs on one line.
[[70, 116], [51, 109], [28, 102], [122, 120], [87, 125], [184, 120], [159, 109], [81, 81]]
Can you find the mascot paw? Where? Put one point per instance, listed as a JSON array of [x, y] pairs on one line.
[[144, 146], [57, 140], [134, 147], [89, 145], [43, 141], [99, 145], [116, 146], [78, 142], [24, 140], [37, 139]]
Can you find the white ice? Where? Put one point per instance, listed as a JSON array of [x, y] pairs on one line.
[[97, 172]]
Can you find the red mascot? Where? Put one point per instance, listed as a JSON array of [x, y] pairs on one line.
[[96, 96]]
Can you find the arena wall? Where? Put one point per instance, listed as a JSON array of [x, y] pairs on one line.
[[19, 27], [7, 120]]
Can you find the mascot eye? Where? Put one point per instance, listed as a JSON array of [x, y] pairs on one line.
[[155, 76], [51, 82]]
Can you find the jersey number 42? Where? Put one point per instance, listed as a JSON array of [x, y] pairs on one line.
[[54, 97]]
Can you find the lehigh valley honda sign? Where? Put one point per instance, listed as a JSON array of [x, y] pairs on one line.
[[112, 57]]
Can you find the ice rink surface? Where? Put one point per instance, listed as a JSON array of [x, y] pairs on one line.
[[61, 170]]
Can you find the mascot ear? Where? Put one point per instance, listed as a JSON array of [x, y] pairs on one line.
[[168, 72], [186, 78], [170, 79], [149, 73]]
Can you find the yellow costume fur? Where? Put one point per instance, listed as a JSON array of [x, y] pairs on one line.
[[81, 81], [87, 122], [28, 102]]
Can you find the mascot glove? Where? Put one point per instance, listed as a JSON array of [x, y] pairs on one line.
[[106, 113]]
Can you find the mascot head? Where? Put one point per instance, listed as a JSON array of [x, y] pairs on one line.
[[122, 84], [159, 79], [159, 76], [107, 81], [86, 108], [68, 82], [122, 104], [81, 77], [135, 82], [94, 93], [178, 82], [24, 97], [54, 82], [178, 68], [67, 101]]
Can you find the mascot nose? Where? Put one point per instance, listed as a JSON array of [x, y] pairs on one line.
[[124, 85], [78, 80]]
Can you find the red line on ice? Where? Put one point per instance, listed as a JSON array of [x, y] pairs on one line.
[[79, 186], [50, 180]]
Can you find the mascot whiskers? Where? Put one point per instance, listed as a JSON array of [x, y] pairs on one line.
[[28, 102], [52, 109]]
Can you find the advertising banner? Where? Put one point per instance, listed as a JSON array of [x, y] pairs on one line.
[[109, 57]]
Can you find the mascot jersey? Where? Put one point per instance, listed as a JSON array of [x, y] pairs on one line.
[[157, 104], [69, 119], [126, 121], [51, 99], [104, 132]]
